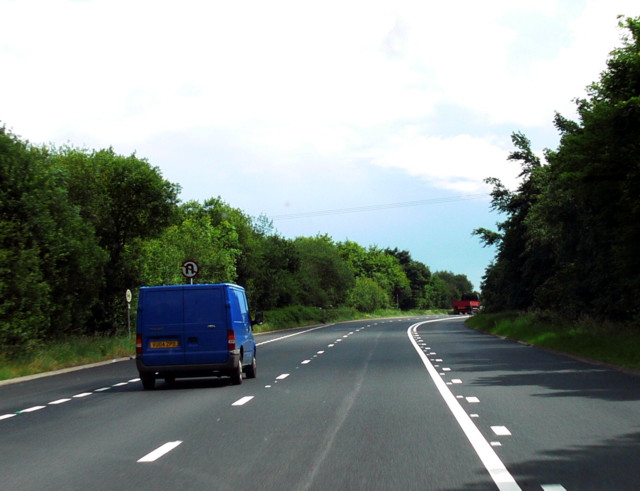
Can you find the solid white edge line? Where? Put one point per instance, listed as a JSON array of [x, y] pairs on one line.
[[7, 416], [159, 452], [497, 470]]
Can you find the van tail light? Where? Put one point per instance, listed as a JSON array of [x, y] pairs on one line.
[[231, 339], [138, 344]]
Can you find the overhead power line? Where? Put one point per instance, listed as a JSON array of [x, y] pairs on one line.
[[387, 206]]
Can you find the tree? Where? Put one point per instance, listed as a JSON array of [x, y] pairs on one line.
[[418, 276], [449, 287], [569, 240], [214, 248], [124, 199], [50, 262], [323, 277]]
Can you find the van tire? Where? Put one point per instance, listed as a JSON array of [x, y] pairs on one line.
[[236, 375], [148, 382], [252, 369]]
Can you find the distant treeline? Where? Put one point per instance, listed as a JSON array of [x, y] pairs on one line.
[[80, 227], [570, 242]]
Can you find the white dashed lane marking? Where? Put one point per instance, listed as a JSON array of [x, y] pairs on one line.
[[66, 399], [242, 401], [159, 452], [501, 430], [31, 409], [59, 401]]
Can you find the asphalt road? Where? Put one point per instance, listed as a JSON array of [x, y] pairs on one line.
[[396, 404]]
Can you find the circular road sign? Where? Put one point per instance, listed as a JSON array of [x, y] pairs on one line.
[[128, 296], [190, 269]]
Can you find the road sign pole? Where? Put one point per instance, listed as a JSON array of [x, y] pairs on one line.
[[128, 297]]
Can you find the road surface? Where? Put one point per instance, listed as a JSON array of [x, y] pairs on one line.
[[399, 404]]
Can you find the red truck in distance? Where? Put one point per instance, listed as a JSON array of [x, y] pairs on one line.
[[468, 304]]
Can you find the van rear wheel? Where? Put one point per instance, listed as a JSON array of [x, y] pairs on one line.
[[236, 375], [252, 369], [148, 381]]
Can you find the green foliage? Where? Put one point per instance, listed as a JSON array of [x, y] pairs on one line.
[[569, 240], [300, 315], [215, 247], [49, 259], [78, 228], [367, 295], [125, 200], [448, 287], [322, 278]]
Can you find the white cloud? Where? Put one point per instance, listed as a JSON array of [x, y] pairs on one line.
[[338, 80], [458, 163]]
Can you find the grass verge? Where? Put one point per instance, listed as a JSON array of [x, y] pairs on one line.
[[607, 342], [67, 353]]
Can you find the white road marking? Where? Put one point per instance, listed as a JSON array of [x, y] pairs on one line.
[[305, 362], [501, 430], [159, 452], [102, 389], [320, 352], [134, 380], [331, 345], [7, 416], [31, 409], [291, 335], [473, 400], [496, 444], [552, 487], [60, 401], [456, 380], [474, 415], [497, 470], [120, 384], [282, 377], [446, 369], [242, 401], [84, 394]]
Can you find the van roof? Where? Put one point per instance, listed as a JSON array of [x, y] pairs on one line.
[[186, 286]]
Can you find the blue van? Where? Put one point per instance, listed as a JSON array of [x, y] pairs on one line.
[[194, 331]]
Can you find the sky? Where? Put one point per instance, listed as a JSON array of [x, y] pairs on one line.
[[371, 121]]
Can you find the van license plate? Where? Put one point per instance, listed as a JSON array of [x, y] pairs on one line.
[[164, 344]]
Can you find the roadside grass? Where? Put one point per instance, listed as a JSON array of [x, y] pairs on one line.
[[66, 353], [81, 350], [607, 342]]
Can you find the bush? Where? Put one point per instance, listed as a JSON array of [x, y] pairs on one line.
[[298, 315], [367, 295]]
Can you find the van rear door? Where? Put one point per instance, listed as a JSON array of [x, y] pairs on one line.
[[205, 324], [160, 320]]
